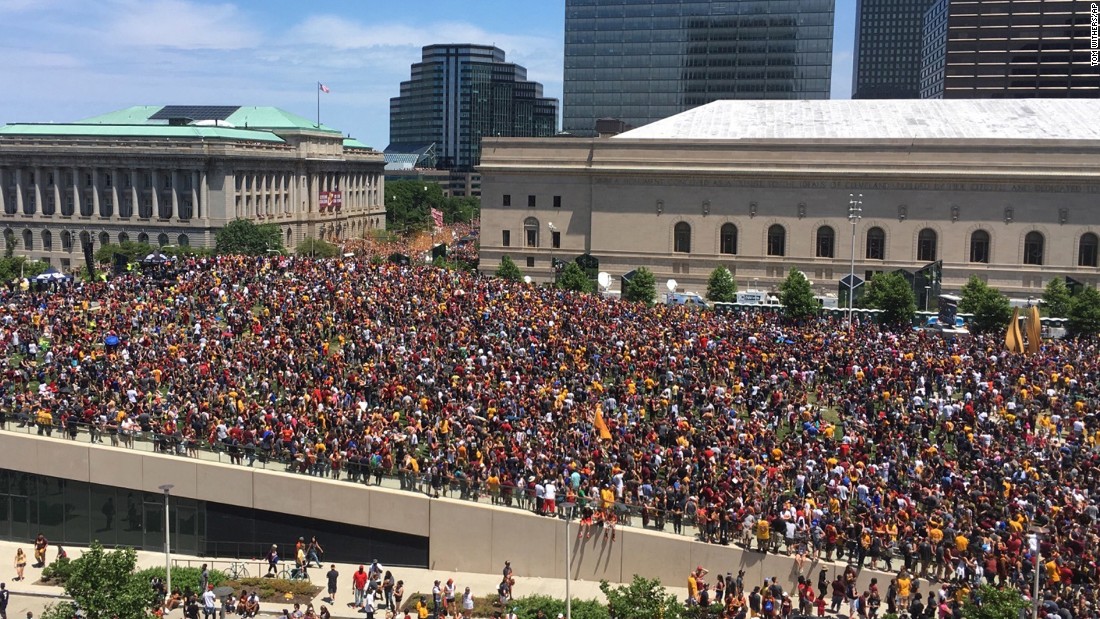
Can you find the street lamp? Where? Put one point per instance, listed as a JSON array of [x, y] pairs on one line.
[[553, 267], [855, 213], [927, 297], [568, 598], [167, 548]]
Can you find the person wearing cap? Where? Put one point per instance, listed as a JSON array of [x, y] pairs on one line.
[[209, 602], [273, 560]]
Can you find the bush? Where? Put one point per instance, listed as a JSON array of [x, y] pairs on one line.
[[529, 606], [57, 572], [276, 589], [184, 578]]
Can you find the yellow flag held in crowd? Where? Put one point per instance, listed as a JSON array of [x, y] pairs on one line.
[[1014, 340], [1034, 330], [605, 433]]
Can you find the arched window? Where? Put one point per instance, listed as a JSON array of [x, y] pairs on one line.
[[876, 244], [28, 240], [183, 241], [531, 232], [777, 240], [926, 245], [979, 246], [85, 239], [123, 237], [162, 239], [1086, 250], [288, 237], [66, 240], [143, 238], [826, 239], [47, 240], [681, 238], [104, 239], [1033, 248], [728, 239]]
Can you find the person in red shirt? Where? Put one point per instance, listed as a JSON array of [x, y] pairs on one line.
[[359, 582]]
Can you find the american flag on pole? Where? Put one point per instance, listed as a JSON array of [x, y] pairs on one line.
[[437, 217], [322, 88]]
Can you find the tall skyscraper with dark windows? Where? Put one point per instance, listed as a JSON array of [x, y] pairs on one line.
[[460, 93], [997, 49], [643, 60], [886, 60]]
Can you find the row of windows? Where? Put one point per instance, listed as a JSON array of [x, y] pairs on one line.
[[532, 201], [46, 238], [927, 244]]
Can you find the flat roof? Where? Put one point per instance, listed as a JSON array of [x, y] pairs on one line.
[[140, 131], [238, 116], [1010, 119]]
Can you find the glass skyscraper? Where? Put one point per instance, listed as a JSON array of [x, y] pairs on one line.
[[886, 61], [643, 60], [459, 94]]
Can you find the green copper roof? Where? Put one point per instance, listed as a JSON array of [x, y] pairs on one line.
[[244, 117], [141, 131], [354, 143]]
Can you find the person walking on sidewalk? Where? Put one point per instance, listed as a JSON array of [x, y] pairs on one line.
[[359, 586], [20, 563], [332, 577], [4, 596]]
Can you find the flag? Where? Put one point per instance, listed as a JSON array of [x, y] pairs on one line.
[[437, 217], [601, 425], [322, 88]]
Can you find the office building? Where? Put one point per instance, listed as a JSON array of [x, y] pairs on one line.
[[459, 94], [1009, 49], [175, 175], [639, 61], [886, 59], [1002, 189]]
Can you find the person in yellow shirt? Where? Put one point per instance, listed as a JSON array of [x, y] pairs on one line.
[[905, 586], [763, 534]]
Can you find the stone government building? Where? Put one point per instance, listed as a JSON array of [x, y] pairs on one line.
[[1008, 190], [174, 175]]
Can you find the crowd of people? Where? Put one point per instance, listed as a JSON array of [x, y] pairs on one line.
[[886, 449]]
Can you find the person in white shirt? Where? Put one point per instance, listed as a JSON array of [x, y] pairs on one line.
[[209, 602], [467, 604]]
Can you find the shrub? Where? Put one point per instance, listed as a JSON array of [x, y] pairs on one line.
[[57, 572], [184, 578], [276, 589]]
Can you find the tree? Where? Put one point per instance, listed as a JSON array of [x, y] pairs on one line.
[[642, 288], [317, 248], [10, 243], [133, 251], [892, 294], [992, 603], [1057, 298], [721, 286], [643, 598], [1084, 313], [242, 236], [508, 270], [103, 584], [573, 278], [797, 296], [990, 308], [19, 266]]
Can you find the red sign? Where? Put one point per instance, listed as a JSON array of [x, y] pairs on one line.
[[336, 199], [324, 200]]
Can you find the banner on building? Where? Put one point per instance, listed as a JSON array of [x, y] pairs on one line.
[[336, 199], [323, 200]]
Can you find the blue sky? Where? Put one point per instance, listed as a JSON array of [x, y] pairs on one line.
[[69, 59]]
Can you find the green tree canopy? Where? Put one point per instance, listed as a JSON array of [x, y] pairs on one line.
[[1057, 298], [642, 288], [317, 248], [133, 251], [508, 270], [573, 278], [990, 308], [643, 598], [409, 204], [242, 236], [103, 584], [994, 603], [797, 296], [1084, 313], [13, 267], [892, 294], [721, 286]]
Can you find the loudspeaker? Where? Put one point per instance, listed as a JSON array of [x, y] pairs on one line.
[[89, 260], [120, 263]]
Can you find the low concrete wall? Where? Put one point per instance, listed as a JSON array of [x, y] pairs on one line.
[[464, 536]]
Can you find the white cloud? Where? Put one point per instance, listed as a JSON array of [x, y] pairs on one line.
[[180, 24]]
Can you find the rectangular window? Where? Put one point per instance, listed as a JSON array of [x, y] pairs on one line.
[[531, 201], [555, 238], [530, 262], [87, 180], [557, 201], [107, 180], [507, 200], [532, 238], [506, 238]]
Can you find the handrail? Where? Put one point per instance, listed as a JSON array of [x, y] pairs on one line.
[[625, 514]]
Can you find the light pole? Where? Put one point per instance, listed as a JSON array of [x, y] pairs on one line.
[[553, 267], [167, 547], [855, 213], [927, 297], [1036, 532], [568, 598]]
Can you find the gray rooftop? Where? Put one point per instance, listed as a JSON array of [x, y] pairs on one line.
[[1018, 119]]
